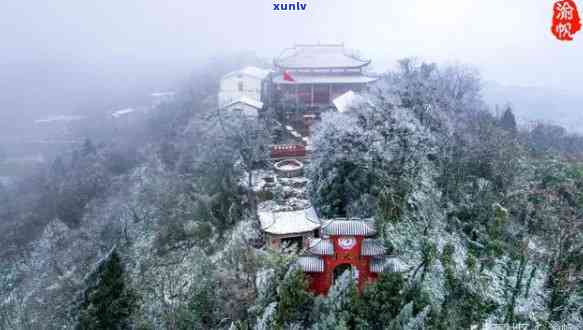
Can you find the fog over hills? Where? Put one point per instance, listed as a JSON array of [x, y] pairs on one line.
[[538, 104], [39, 90], [34, 91]]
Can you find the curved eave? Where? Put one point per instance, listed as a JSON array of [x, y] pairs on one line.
[[311, 264], [384, 264], [323, 247], [318, 79], [312, 226], [291, 233], [348, 228], [289, 223], [320, 67], [372, 248]]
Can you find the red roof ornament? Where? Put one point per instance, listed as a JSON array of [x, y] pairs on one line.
[[288, 77]]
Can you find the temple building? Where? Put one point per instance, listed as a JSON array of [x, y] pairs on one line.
[[306, 79], [311, 76], [344, 245], [286, 228]]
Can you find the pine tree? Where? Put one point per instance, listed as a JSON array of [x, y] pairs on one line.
[[108, 304], [401, 321], [419, 321], [266, 321], [88, 148], [295, 302], [381, 301], [199, 312], [508, 121]]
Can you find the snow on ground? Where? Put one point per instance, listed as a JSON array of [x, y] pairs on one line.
[[58, 118], [5, 180], [122, 112]]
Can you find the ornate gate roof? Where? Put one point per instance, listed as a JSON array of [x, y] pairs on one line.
[[372, 247], [342, 227], [321, 247], [310, 264]]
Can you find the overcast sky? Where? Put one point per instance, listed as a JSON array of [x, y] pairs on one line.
[[509, 41]]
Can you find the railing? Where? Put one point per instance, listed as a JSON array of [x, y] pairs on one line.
[[288, 150]]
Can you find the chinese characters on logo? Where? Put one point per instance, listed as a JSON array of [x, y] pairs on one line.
[[566, 20]]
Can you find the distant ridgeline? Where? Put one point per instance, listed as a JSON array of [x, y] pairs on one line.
[[289, 6]]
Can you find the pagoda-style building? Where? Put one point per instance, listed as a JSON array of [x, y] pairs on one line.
[[344, 245], [307, 78], [313, 75]]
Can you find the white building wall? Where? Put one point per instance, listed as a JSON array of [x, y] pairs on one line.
[[237, 85]]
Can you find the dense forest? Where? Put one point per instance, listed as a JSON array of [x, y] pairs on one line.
[[155, 227]]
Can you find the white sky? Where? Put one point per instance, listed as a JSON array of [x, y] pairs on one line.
[[509, 41]]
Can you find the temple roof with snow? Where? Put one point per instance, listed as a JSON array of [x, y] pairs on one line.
[[321, 246], [325, 247], [311, 264], [319, 56], [289, 222], [343, 227]]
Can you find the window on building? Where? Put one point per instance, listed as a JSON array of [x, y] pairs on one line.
[[305, 94], [321, 94], [240, 86], [293, 243]]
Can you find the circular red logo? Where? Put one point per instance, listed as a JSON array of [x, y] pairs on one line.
[[346, 243]]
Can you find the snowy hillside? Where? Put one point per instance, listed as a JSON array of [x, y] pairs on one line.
[[160, 228]]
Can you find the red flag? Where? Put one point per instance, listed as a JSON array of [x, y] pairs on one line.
[[288, 77]]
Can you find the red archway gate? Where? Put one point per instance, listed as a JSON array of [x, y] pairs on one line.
[[343, 242]]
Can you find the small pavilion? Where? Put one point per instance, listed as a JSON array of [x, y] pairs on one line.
[[286, 228]]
